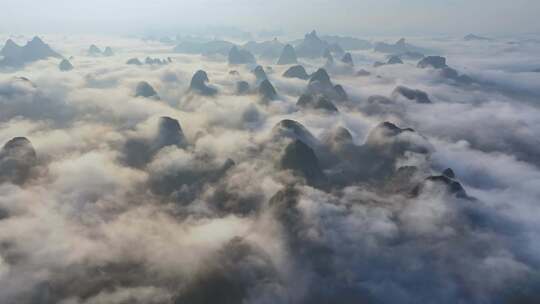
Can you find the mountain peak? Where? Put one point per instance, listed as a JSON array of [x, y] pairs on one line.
[[199, 77], [288, 128], [199, 84], [308, 101], [11, 43], [34, 50], [267, 90], [436, 62], [240, 56], [321, 76], [108, 52], [260, 74], [17, 157], [170, 132], [296, 71], [36, 40], [312, 35], [347, 58], [65, 65], [144, 89], [288, 55], [411, 94], [10, 48], [301, 159], [448, 172]]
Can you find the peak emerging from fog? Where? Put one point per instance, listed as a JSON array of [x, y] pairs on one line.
[[93, 50], [436, 62], [307, 101], [17, 158], [296, 71], [320, 84], [34, 50], [312, 46], [439, 63], [411, 94], [260, 74], [267, 91], [239, 56], [65, 65], [288, 55], [199, 84], [347, 58], [144, 89]]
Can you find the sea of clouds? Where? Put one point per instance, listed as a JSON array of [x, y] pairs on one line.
[[217, 220]]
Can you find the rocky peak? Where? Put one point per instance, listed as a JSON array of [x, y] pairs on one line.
[[296, 71]]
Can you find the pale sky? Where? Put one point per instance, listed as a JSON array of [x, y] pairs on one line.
[[339, 16]]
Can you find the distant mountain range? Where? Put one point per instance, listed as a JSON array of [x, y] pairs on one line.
[[311, 46]]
